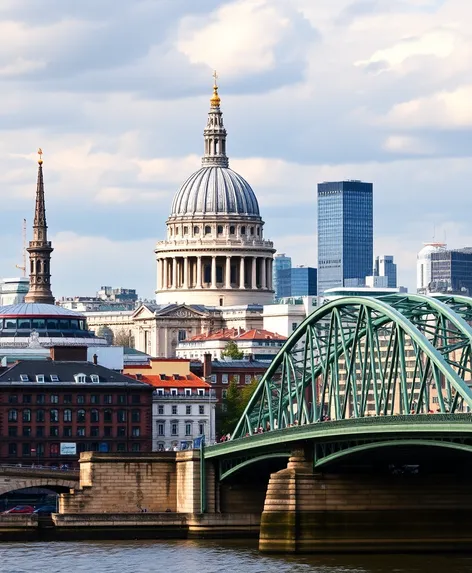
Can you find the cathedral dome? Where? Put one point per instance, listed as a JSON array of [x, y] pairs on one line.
[[215, 190]]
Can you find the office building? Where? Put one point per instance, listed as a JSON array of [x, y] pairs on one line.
[[345, 232], [423, 265], [451, 271], [384, 266], [282, 275], [14, 290], [303, 281]]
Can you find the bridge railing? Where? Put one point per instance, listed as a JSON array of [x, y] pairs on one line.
[[22, 469]]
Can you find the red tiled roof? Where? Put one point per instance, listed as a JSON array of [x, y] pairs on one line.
[[235, 334], [189, 381]]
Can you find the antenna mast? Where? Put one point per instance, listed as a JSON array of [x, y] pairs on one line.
[[23, 267]]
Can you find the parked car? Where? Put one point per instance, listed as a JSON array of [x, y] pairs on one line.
[[20, 509], [45, 510]]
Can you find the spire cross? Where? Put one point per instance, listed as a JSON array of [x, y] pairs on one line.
[[215, 77], [40, 153]]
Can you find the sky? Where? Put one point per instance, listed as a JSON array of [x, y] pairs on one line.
[[116, 94]]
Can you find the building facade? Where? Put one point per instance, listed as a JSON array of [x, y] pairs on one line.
[[14, 290], [423, 266], [51, 411], [215, 253], [282, 276], [303, 281], [345, 232], [451, 271], [384, 266]]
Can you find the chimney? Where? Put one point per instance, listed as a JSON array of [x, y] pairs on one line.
[[95, 359], [206, 366]]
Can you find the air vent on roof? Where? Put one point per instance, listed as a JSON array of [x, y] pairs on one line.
[[139, 376], [176, 377], [163, 376]]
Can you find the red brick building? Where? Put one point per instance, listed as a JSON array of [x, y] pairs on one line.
[[51, 411]]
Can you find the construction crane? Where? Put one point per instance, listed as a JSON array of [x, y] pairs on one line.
[[23, 267]]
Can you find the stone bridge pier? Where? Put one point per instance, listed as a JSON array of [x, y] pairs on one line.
[[309, 511]]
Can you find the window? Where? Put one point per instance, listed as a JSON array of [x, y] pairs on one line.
[[40, 415], [80, 399], [94, 378], [80, 416], [54, 449], [39, 377], [201, 428], [135, 431], [201, 392], [188, 392], [54, 431], [67, 398], [247, 379], [13, 399], [196, 230], [135, 415], [294, 326], [213, 378], [120, 447], [121, 416], [174, 428], [207, 230], [24, 378], [94, 431], [174, 410], [243, 230], [136, 399], [80, 378], [54, 399], [81, 432], [136, 447], [108, 399], [107, 416], [121, 399], [121, 431], [252, 230], [27, 399], [224, 378], [13, 431], [224, 393], [188, 410], [108, 431], [54, 378], [160, 409], [26, 431], [220, 229], [231, 230], [41, 399], [12, 450], [27, 415], [185, 230], [26, 449], [173, 391], [201, 409], [67, 432], [39, 431], [94, 416], [54, 415], [13, 415], [182, 335], [160, 428], [235, 378]]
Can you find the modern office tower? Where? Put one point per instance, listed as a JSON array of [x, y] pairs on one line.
[[385, 267], [345, 232], [451, 271], [423, 265], [281, 275], [303, 281]]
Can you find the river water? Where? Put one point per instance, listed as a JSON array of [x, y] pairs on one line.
[[205, 557]]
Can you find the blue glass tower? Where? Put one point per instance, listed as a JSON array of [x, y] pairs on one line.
[[282, 275], [345, 232], [303, 281]]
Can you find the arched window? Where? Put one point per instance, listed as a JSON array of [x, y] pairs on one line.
[[176, 230], [32, 266], [208, 230], [67, 415], [38, 266], [220, 229], [185, 230], [80, 415], [231, 230], [94, 416], [243, 230], [252, 230], [196, 230], [258, 231], [40, 415], [170, 231], [54, 415], [27, 415], [13, 415], [107, 416]]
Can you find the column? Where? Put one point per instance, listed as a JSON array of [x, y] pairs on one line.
[[185, 273], [228, 272], [159, 275], [254, 274], [213, 272], [269, 273], [174, 272], [241, 273], [263, 273], [164, 274], [199, 272]]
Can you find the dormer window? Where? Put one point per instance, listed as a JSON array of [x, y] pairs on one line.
[[39, 377], [54, 378], [160, 391], [201, 392], [188, 391], [24, 377], [173, 391], [80, 378], [94, 378]]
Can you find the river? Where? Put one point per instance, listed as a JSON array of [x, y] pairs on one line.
[[205, 557]]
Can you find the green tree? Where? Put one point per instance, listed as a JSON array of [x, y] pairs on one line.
[[236, 400], [232, 351]]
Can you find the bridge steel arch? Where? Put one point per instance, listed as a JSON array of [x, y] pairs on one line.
[[359, 356]]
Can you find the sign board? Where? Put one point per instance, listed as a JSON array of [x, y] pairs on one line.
[[33, 450], [68, 449]]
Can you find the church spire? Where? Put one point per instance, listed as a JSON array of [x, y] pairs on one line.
[[40, 248], [215, 133]]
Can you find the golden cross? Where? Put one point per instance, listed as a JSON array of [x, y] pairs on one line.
[[215, 76], [40, 153]]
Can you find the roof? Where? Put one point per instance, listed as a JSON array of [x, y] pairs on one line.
[[243, 364], [37, 309], [160, 381], [215, 190], [235, 334], [65, 372]]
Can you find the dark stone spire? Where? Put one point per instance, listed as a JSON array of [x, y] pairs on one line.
[[40, 248]]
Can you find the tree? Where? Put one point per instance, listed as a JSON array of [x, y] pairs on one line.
[[124, 338], [237, 398], [106, 332], [232, 351]]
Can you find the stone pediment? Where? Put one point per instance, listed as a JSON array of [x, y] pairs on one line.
[[182, 311], [143, 312]]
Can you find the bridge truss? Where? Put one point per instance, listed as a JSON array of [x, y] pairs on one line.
[[357, 357]]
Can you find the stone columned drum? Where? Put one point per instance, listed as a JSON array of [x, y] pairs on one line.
[[215, 253]]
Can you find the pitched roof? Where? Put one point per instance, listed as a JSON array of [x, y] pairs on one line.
[[176, 381], [235, 334]]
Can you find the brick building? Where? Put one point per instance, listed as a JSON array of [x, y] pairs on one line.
[[51, 411]]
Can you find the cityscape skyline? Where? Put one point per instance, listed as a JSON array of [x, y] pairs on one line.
[[110, 175]]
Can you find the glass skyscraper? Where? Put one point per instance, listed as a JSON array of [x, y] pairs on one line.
[[345, 232], [303, 281], [281, 275]]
